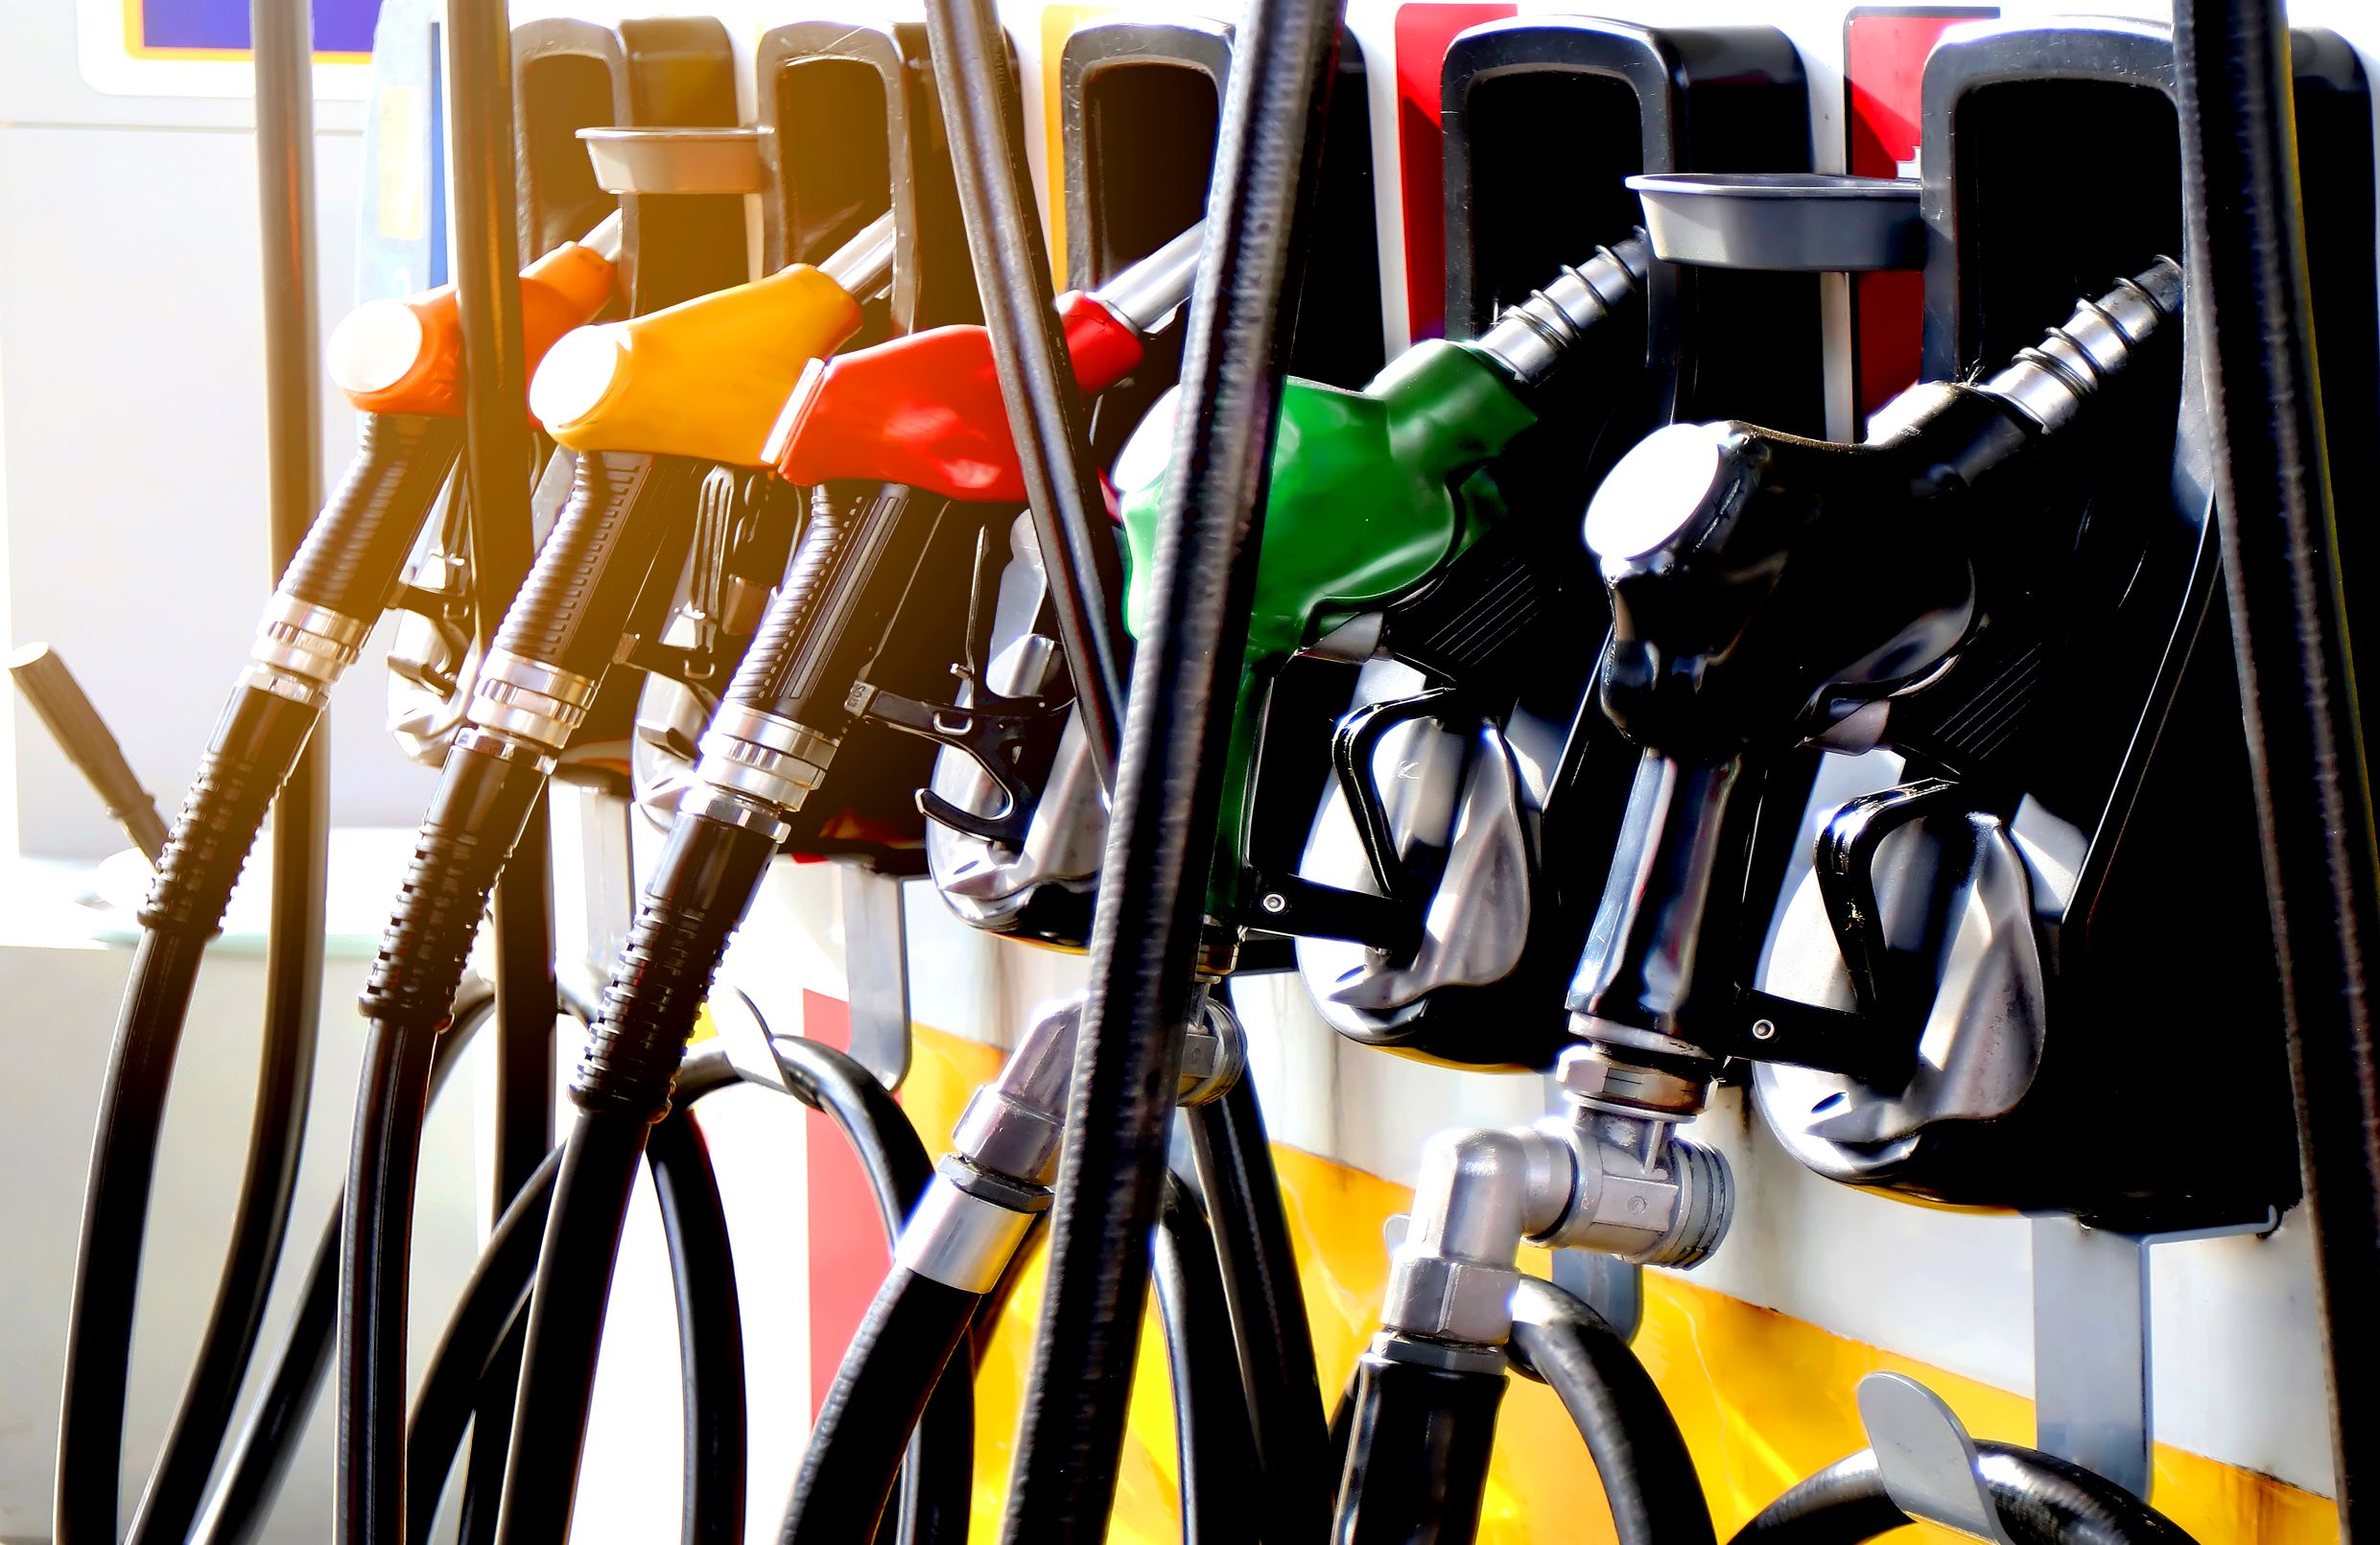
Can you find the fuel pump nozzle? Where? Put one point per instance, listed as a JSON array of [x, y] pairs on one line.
[[1372, 494], [1769, 592]]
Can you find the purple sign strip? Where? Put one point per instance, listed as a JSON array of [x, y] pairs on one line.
[[340, 26]]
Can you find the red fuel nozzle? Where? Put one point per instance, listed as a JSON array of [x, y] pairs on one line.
[[405, 356], [925, 411]]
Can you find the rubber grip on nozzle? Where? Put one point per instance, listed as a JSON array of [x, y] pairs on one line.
[[482, 807], [354, 550], [572, 608], [830, 615], [256, 744], [706, 878]]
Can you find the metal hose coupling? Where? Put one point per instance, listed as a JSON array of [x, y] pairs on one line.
[[302, 651], [2048, 382], [986, 1192], [530, 702], [1531, 338]]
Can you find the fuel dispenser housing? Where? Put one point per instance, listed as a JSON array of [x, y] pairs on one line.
[[2116, 762]]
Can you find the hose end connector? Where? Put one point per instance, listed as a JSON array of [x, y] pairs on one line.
[[529, 701], [1530, 340], [304, 648], [764, 756]]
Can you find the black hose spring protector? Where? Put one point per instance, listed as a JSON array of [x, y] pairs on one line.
[[2041, 1501]]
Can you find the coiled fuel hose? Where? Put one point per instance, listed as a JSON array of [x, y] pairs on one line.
[[2041, 1501], [535, 688], [398, 361]]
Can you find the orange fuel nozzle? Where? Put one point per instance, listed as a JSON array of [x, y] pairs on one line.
[[405, 356], [705, 378]]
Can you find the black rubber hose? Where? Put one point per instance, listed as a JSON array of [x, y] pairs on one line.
[[491, 1298], [1169, 783], [935, 1492], [1648, 1475], [1213, 1447], [2041, 1501], [897, 1359], [984, 111], [254, 745], [1275, 1341], [2251, 324], [482, 803], [710, 1331], [1419, 1441]]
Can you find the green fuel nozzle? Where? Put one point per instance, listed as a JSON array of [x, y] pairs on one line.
[[1373, 491]]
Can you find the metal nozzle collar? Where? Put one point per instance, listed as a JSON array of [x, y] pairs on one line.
[[312, 645], [2048, 382], [1530, 340], [1148, 291], [765, 756], [529, 699], [967, 1228], [1215, 1054], [863, 264]]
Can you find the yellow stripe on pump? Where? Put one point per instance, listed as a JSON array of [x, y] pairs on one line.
[[707, 378]]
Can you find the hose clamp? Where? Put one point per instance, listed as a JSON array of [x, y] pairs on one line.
[[728, 808], [529, 698], [312, 644], [763, 756], [503, 748], [967, 1228]]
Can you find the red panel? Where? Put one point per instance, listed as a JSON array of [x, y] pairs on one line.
[[1424, 30], [1884, 52], [848, 1256]]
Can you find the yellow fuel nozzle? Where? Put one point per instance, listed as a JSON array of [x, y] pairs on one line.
[[707, 378]]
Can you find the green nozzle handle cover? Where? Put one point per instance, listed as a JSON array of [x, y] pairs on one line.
[[1366, 501]]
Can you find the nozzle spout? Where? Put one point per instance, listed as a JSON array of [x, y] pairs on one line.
[[604, 240], [863, 264], [1531, 338], [1149, 290], [2048, 382]]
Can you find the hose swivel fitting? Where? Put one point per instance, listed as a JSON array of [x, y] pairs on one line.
[[764, 756], [1530, 340], [528, 700], [1639, 1190], [1479, 1194], [302, 651], [2048, 382]]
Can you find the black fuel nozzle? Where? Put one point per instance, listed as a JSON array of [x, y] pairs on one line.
[[1769, 592]]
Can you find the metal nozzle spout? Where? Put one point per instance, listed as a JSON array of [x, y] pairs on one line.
[[604, 240], [2048, 382], [1531, 338], [863, 264], [1149, 290]]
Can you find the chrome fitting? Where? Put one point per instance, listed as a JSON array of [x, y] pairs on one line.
[[309, 645], [1591, 1075], [2048, 382], [1214, 1053], [863, 264], [964, 1232], [763, 756], [1480, 1193], [728, 808], [1530, 340], [1638, 1191], [1012, 1125], [503, 748], [529, 699]]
